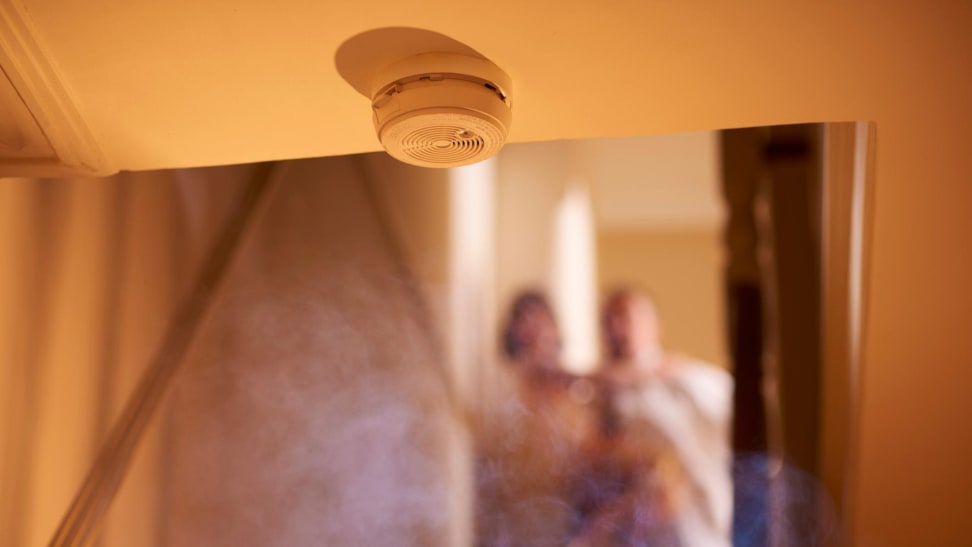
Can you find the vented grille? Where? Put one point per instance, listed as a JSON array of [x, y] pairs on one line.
[[443, 139], [443, 144]]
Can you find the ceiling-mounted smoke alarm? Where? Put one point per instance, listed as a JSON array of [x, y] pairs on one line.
[[441, 109]]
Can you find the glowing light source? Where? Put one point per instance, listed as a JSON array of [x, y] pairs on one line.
[[574, 278]]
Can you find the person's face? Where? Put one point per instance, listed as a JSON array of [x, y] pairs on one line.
[[633, 326], [541, 339]]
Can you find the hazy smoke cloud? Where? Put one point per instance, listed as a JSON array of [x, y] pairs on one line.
[[312, 411]]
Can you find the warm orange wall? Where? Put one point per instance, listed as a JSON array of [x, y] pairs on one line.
[[531, 181], [915, 484], [682, 270], [93, 270]]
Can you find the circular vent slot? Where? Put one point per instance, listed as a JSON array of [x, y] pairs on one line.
[[448, 144], [443, 138]]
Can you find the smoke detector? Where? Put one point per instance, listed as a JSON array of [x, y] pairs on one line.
[[441, 109]]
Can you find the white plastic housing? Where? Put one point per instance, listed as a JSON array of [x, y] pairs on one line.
[[441, 109]]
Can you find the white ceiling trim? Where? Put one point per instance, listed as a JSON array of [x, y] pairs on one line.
[[49, 135]]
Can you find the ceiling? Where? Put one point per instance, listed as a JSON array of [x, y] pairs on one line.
[[658, 182], [652, 183], [108, 85]]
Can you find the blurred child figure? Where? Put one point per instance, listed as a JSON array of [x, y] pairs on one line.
[[665, 456], [529, 450]]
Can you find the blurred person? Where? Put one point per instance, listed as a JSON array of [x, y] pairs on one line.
[[664, 426], [529, 449]]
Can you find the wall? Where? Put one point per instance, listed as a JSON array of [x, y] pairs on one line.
[[546, 241], [682, 271], [531, 179], [313, 406], [915, 377], [92, 272], [658, 221], [660, 218]]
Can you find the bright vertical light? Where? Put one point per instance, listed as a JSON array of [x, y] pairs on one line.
[[574, 278], [471, 287], [472, 265]]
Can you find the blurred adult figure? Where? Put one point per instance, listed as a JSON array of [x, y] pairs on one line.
[[666, 420], [530, 442]]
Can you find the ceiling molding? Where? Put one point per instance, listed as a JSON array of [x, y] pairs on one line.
[[42, 133]]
